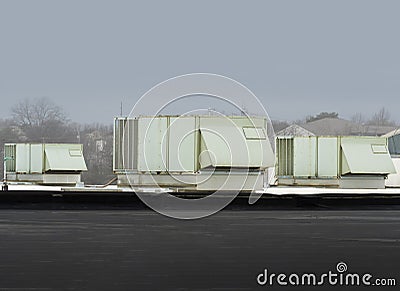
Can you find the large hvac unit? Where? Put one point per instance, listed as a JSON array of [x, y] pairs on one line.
[[192, 152], [44, 163], [345, 162]]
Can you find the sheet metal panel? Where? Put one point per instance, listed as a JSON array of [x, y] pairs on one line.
[[365, 156], [224, 144], [58, 157], [22, 158], [328, 154], [152, 151], [304, 156], [36, 158], [182, 144]]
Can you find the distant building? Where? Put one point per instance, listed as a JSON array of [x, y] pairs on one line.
[[377, 130], [294, 130], [334, 127]]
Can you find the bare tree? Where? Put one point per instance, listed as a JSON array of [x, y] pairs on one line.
[[37, 113], [381, 118], [359, 124], [358, 118], [41, 120]]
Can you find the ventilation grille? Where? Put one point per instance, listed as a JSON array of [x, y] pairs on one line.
[[284, 148]]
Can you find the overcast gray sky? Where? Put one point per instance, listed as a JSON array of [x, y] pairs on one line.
[[298, 57]]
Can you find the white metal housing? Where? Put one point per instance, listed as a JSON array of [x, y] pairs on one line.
[[44, 163], [193, 152], [348, 162]]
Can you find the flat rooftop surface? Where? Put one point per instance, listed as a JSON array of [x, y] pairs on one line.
[[43, 249]]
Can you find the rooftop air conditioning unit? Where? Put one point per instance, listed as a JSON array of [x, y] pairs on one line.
[[44, 163], [192, 152], [345, 162]]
